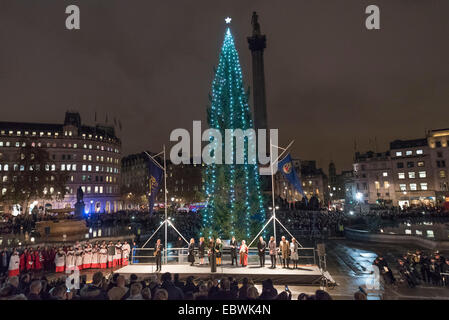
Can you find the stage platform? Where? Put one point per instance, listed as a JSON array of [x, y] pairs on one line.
[[304, 275]]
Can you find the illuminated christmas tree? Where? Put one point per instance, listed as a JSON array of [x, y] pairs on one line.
[[235, 202]]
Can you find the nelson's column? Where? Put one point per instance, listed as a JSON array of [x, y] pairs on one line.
[[257, 44]]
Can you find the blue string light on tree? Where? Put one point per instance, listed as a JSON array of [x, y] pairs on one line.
[[235, 203]]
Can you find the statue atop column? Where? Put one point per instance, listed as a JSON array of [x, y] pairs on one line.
[[255, 24]]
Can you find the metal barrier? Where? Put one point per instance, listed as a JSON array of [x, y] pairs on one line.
[[179, 256]]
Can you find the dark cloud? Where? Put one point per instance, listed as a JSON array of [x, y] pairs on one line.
[[150, 63]]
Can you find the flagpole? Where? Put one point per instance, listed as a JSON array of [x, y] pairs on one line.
[[272, 190], [165, 206]]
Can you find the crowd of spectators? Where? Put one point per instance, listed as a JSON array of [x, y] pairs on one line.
[[313, 223], [415, 269], [165, 287]]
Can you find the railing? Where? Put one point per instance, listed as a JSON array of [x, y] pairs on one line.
[[146, 256]]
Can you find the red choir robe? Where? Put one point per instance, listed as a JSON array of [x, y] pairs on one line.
[[125, 254], [60, 261], [22, 262], [38, 261], [14, 263], [29, 261]]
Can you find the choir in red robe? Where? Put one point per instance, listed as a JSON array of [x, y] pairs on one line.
[[67, 259]]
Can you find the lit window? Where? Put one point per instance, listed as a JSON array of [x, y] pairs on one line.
[[403, 187], [401, 175], [422, 174], [84, 167], [386, 184], [408, 152], [413, 186], [411, 175], [423, 186], [385, 174], [398, 154], [442, 174], [420, 163], [419, 152], [62, 167]]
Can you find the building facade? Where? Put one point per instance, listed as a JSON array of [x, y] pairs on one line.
[[184, 181], [411, 173], [90, 155]]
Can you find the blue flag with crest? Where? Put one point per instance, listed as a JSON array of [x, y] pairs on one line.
[[287, 169], [154, 183]]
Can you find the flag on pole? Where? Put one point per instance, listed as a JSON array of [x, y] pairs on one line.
[[154, 183], [286, 167]]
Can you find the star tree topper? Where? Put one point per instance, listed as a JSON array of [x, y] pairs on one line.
[[228, 20]]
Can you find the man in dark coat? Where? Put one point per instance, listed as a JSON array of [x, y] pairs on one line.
[[4, 261], [233, 244], [406, 274], [384, 270], [158, 254], [261, 246], [191, 256]]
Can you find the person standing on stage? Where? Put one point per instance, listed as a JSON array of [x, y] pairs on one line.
[[70, 260], [118, 254], [284, 248], [272, 251], [243, 254], [125, 253], [30, 260], [38, 260], [201, 250], [60, 260], [261, 246], [87, 258], [103, 256], [210, 249], [218, 251], [14, 264], [294, 252], [79, 255], [158, 254], [234, 246], [191, 257], [111, 254]]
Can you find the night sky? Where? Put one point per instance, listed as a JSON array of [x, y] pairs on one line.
[[150, 63]]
